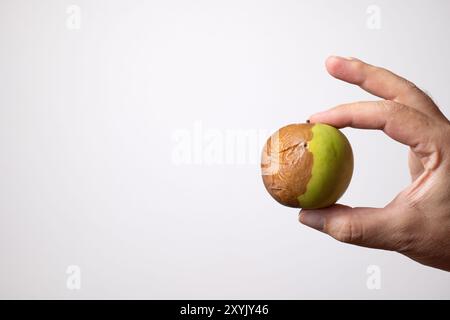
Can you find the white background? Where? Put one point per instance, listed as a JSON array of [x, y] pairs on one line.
[[87, 116]]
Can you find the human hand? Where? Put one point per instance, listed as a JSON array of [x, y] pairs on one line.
[[417, 222]]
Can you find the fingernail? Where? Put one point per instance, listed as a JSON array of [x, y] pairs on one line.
[[312, 219], [318, 114], [344, 58]]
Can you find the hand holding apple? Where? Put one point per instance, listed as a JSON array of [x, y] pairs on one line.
[[416, 222]]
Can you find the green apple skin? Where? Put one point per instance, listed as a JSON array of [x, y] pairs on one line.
[[332, 167]]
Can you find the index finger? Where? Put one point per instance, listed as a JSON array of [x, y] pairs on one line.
[[381, 82], [401, 123]]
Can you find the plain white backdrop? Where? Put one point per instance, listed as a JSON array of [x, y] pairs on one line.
[[91, 94]]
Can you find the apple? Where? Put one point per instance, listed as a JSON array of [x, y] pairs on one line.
[[307, 165]]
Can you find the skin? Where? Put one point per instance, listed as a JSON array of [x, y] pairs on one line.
[[416, 222]]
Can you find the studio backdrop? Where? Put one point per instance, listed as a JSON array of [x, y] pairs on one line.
[[131, 134]]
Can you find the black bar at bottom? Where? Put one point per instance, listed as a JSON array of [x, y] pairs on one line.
[[226, 309]]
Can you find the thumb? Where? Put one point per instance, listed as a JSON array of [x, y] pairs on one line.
[[368, 227]]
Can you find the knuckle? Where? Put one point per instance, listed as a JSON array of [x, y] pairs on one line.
[[407, 230], [359, 66], [348, 231], [391, 107], [404, 243], [410, 85]]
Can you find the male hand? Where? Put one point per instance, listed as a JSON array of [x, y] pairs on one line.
[[417, 222]]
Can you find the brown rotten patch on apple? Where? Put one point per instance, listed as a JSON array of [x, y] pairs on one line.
[[287, 163]]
